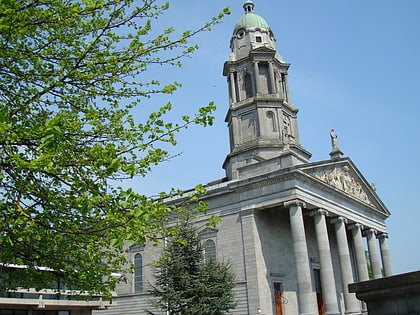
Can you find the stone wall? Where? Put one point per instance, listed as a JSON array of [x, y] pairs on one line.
[[395, 295]]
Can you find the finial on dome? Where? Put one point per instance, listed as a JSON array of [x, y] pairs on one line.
[[248, 6]]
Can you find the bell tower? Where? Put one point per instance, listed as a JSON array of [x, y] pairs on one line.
[[262, 120]]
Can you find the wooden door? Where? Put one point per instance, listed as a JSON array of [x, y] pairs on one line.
[[278, 298], [318, 288]]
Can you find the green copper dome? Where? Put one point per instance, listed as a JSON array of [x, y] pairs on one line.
[[251, 20]]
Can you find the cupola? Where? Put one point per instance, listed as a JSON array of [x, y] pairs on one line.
[[251, 31]]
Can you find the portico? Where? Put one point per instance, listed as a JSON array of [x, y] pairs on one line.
[[354, 245], [331, 230]]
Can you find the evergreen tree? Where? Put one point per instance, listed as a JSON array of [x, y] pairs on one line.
[[186, 284]]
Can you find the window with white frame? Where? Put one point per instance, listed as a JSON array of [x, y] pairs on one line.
[[209, 250], [208, 237]]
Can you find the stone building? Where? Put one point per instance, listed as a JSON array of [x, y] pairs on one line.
[[56, 300], [293, 230]]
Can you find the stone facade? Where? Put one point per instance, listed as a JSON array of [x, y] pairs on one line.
[[294, 231]]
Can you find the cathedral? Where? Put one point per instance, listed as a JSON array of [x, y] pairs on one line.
[[296, 232]]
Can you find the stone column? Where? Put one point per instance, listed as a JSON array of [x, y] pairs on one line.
[[360, 252], [352, 306], [386, 257], [257, 78], [373, 253], [286, 85], [232, 87], [329, 291], [272, 79], [306, 297]]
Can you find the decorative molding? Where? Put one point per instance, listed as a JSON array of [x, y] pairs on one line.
[[277, 275], [241, 187], [339, 220], [208, 232], [355, 226], [319, 211], [382, 235], [341, 179], [136, 248], [369, 231], [294, 202]]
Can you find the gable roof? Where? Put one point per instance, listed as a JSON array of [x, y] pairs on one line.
[[344, 177]]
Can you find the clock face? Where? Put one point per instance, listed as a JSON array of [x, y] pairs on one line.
[[240, 34]]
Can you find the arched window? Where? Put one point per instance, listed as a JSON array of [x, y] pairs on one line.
[[138, 273], [209, 251], [272, 121]]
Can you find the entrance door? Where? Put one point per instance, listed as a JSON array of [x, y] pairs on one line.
[[318, 288], [278, 298]]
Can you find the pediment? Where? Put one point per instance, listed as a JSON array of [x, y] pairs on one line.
[[136, 248], [263, 50], [208, 232], [346, 178]]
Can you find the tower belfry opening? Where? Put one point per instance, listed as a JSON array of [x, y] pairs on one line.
[[248, 6]]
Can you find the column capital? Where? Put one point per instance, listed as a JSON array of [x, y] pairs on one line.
[[356, 226], [294, 202], [382, 235], [319, 211], [338, 220], [368, 231]]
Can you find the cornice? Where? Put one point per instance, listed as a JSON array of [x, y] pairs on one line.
[[261, 181]]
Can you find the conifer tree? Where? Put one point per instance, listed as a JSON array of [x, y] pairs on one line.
[[186, 284]]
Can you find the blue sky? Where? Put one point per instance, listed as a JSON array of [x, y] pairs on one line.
[[354, 67]]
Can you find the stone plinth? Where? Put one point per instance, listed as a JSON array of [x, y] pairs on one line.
[[395, 295]]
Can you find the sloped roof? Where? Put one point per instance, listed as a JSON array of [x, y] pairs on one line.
[[344, 177]]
